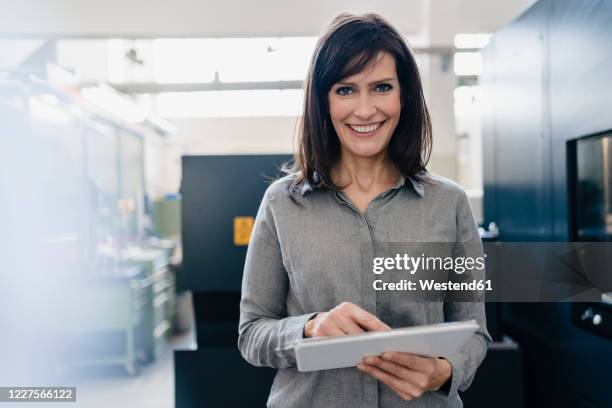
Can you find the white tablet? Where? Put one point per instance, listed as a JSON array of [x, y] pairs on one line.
[[437, 340]]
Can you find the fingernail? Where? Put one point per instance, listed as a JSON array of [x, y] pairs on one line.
[[387, 356], [361, 367]]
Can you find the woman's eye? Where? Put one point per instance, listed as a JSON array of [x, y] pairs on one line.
[[344, 90], [383, 88]]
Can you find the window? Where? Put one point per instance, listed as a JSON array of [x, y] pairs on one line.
[[468, 63], [200, 60], [234, 59]]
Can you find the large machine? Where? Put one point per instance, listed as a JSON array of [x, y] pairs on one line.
[[546, 80], [220, 198]]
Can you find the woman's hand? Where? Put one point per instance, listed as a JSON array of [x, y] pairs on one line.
[[346, 318], [409, 375]]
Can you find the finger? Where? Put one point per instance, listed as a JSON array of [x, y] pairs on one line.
[[421, 364], [403, 389], [370, 370], [392, 367], [366, 319], [415, 382], [346, 324]]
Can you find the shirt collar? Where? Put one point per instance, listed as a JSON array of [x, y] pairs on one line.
[[415, 182]]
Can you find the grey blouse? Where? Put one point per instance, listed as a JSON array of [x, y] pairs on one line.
[[304, 259]]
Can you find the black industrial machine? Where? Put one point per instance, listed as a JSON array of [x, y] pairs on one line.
[[220, 198], [546, 81], [590, 178]]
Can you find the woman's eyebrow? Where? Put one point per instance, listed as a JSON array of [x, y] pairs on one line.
[[371, 83]]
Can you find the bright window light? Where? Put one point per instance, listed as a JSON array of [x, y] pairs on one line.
[[466, 97], [215, 104], [266, 59], [235, 59], [468, 63], [188, 60], [478, 40], [185, 60]]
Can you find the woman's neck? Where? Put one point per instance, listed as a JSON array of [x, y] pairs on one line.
[[365, 174]]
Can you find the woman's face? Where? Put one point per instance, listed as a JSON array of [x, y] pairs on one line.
[[365, 108]]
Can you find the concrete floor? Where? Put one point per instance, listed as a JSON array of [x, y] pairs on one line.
[[112, 387], [153, 387]]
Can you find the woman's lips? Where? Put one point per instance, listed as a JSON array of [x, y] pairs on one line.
[[367, 130]]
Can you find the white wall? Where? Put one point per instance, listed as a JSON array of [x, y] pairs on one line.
[[439, 83], [162, 167], [236, 135], [201, 136]]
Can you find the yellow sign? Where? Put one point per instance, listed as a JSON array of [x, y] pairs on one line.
[[242, 230]]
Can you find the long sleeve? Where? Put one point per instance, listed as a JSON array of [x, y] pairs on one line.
[[465, 362], [266, 333]]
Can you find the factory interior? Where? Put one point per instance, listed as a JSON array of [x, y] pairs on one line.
[[138, 139]]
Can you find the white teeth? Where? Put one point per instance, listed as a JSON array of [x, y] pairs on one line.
[[365, 129]]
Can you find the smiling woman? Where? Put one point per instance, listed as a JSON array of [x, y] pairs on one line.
[[365, 108], [362, 74], [357, 183]]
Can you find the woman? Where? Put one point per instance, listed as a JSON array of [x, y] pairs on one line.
[[358, 177]]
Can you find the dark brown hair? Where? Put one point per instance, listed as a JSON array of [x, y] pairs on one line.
[[351, 44]]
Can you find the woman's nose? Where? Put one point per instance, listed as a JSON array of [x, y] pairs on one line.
[[365, 108]]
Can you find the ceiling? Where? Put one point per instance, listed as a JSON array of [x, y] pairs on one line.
[[434, 21]]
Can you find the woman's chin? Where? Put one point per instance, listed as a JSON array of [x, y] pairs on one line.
[[369, 152]]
